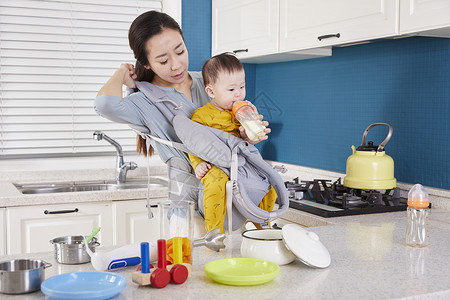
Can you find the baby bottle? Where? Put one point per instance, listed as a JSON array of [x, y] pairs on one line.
[[417, 231], [245, 114]]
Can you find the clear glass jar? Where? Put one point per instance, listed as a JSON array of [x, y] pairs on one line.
[[177, 225], [248, 118], [417, 233]]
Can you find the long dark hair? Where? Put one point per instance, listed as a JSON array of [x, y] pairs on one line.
[[143, 28]]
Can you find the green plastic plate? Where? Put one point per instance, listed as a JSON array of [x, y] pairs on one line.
[[242, 271]]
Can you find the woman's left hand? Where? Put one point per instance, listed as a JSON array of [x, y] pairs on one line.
[[263, 123]]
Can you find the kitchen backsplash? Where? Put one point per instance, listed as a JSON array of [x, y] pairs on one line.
[[318, 108]]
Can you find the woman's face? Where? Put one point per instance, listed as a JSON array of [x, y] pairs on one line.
[[168, 57]]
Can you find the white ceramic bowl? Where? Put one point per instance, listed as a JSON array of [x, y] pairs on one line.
[[266, 244]]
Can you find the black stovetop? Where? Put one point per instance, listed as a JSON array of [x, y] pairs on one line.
[[332, 199]]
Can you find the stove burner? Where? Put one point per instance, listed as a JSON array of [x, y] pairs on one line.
[[321, 196]]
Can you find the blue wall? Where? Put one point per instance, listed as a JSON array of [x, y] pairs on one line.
[[318, 108], [322, 107]]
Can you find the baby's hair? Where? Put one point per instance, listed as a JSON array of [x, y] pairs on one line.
[[225, 62]]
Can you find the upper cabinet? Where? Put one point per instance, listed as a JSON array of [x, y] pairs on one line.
[[262, 31], [430, 18], [250, 28], [310, 24]]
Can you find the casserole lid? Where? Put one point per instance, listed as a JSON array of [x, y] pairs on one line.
[[306, 246]]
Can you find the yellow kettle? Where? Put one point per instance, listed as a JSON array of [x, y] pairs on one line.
[[369, 167]]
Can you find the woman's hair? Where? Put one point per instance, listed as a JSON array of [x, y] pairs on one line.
[[224, 62], [143, 28]]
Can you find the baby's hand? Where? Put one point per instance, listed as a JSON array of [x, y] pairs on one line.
[[267, 130], [201, 169]]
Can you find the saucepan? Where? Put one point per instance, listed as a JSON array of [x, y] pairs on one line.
[[70, 250], [20, 276], [283, 246]]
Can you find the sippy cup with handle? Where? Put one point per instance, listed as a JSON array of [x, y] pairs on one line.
[[245, 114]]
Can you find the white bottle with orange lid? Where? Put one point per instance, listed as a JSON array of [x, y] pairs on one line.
[[245, 114], [417, 234]]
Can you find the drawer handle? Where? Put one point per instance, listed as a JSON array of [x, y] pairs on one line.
[[153, 205], [327, 36], [240, 50], [47, 212]]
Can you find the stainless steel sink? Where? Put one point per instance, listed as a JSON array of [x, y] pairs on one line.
[[88, 186]]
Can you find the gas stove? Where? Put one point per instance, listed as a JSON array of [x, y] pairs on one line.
[[332, 199]]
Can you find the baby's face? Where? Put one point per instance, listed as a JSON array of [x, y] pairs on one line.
[[228, 89]]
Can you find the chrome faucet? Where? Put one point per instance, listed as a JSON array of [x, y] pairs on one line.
[[121, 167]]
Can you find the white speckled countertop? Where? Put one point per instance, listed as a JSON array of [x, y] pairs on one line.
[[370, 259]]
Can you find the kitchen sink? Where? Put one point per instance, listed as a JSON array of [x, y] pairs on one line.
[[89, 186]]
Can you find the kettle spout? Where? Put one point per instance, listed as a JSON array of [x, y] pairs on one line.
[[353, 149]]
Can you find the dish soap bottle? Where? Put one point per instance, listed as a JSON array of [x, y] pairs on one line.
[[245, 114], [417, 234]]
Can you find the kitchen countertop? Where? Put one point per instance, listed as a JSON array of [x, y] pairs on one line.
[[369, 260]]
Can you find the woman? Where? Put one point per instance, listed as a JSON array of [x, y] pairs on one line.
[[161, 59]]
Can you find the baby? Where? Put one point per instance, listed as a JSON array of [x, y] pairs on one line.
[[224, 79]]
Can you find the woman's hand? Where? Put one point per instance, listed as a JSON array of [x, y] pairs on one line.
[[125, 75], [129, 75], [201, 169], [263, 123]]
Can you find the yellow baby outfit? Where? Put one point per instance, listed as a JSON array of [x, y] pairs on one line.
[[214, 201]]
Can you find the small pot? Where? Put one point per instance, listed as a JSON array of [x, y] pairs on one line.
[[283, 246], [266, 244], [20, 276], [70, 250]]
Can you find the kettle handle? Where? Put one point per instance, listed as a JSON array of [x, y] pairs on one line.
[[386, 140]]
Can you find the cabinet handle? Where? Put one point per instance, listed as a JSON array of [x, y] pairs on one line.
[[240, 50], [327, 36], [60, 211], [153, 205]]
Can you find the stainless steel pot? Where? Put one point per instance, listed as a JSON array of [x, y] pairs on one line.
[[70, 250], [20, 276]]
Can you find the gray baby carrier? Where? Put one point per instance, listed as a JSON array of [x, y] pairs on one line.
[[250, 176]]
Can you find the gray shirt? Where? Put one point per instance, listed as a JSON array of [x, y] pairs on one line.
[[136, 109]]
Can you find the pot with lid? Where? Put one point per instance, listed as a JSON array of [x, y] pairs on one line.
[[369, 167], [283, 246]]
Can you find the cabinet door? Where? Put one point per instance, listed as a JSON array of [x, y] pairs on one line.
[[308, 24], [30, 228], [421, 15], [250, 25], [2, 232], [134, 226], [132, 222]]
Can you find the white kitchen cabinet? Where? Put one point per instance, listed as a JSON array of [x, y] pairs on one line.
[[310, 24], [250, 28], [132, 224], [430, 17], [247, 26], [2, 232], [29, 229]]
